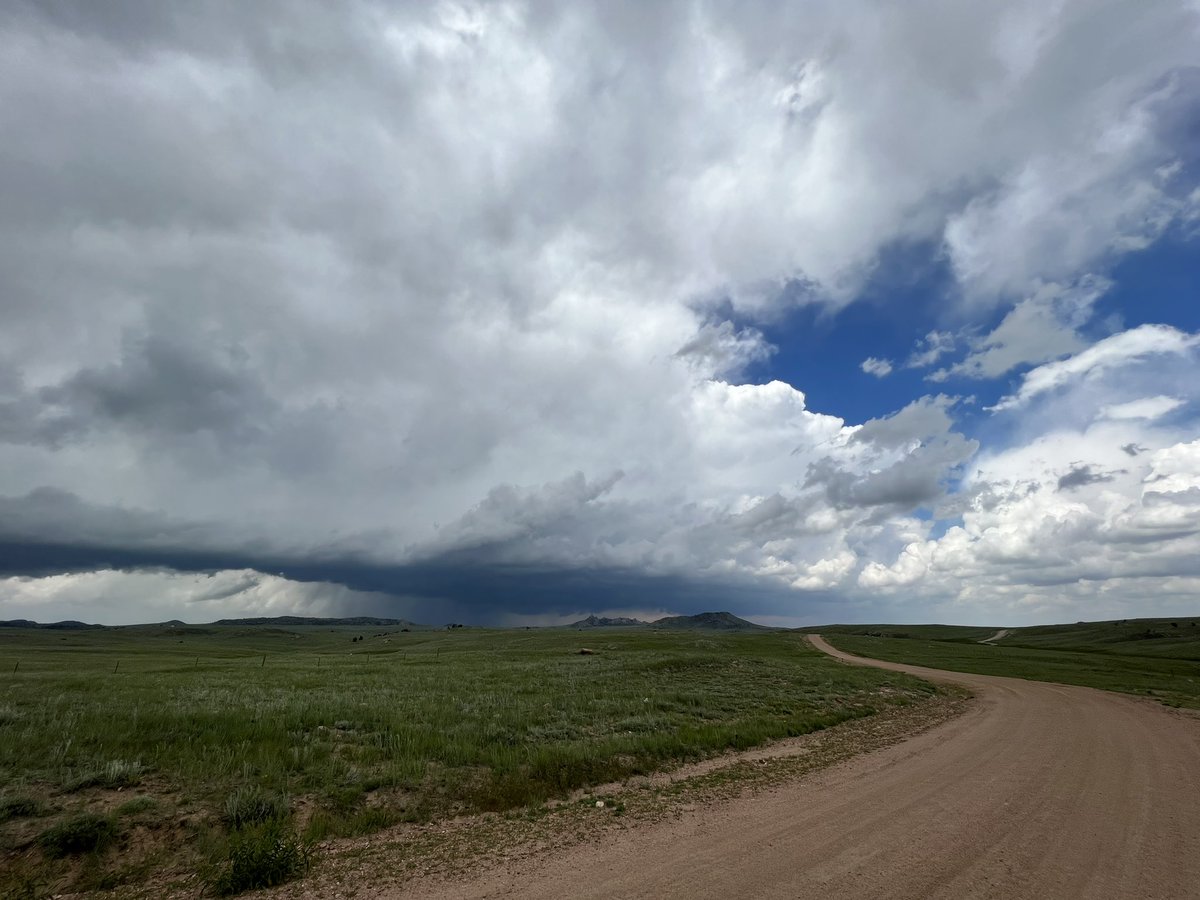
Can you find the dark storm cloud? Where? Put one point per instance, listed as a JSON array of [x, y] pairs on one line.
[[25, 417], [456, 587], [168, 386], [48, 517]]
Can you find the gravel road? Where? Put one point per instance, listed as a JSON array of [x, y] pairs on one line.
[[1039, 791]]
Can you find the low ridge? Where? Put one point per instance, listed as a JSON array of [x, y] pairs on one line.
[[606, 622], [721, 621]]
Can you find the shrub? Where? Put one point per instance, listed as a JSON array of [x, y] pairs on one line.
[[259, 857], [86, 833], [253, 806]]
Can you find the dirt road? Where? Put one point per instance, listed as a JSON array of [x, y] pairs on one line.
[[1040, 791], [1003, 632]]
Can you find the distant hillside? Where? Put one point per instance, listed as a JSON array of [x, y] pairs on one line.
[[1175, 637], [606, 622], [919, 632], [273, 621], [710, 621], [721, 621], [354, 621]]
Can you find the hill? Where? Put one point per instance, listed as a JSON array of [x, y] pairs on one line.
[[706, 621], [350, 621], [607, 622], [718, 621], [919, 632], [1157, 658], [1176, 637]]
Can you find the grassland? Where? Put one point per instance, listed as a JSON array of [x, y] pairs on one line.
[[1159, 658], [157, 752]]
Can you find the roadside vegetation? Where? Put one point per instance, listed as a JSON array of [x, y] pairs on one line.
[[184, 756], [1157, 658]]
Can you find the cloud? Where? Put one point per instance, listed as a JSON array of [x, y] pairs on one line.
[[721, 349], [124, 598], [1077, 516], [930, 349], [49, 514], [1056, 218], [1118, 350], [1042, 327], [920, 420], [1080, 476], [880, 368], [1142, 408], [401, 288], [902, 461]]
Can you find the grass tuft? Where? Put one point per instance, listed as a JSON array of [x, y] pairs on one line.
[[136, 805], [114, 774], [85, 833], [19, 808], [330, 824], [253, 806], [260, 856]]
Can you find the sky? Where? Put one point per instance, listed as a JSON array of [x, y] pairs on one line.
[[507, 313]]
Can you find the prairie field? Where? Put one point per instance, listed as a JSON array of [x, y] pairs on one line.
[[1157, 658], [227, 752]]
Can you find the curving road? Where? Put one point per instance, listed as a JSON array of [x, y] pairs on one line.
[[1040, 791]]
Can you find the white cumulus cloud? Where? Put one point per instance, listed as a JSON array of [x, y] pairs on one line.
[[880, 368]]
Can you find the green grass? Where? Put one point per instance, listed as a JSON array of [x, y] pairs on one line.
[[251, 805], [395, 727], [259, 856], [85, 833], [921, 632], [19, 807], [1145, 657], [135, 806], [1176, 638]]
